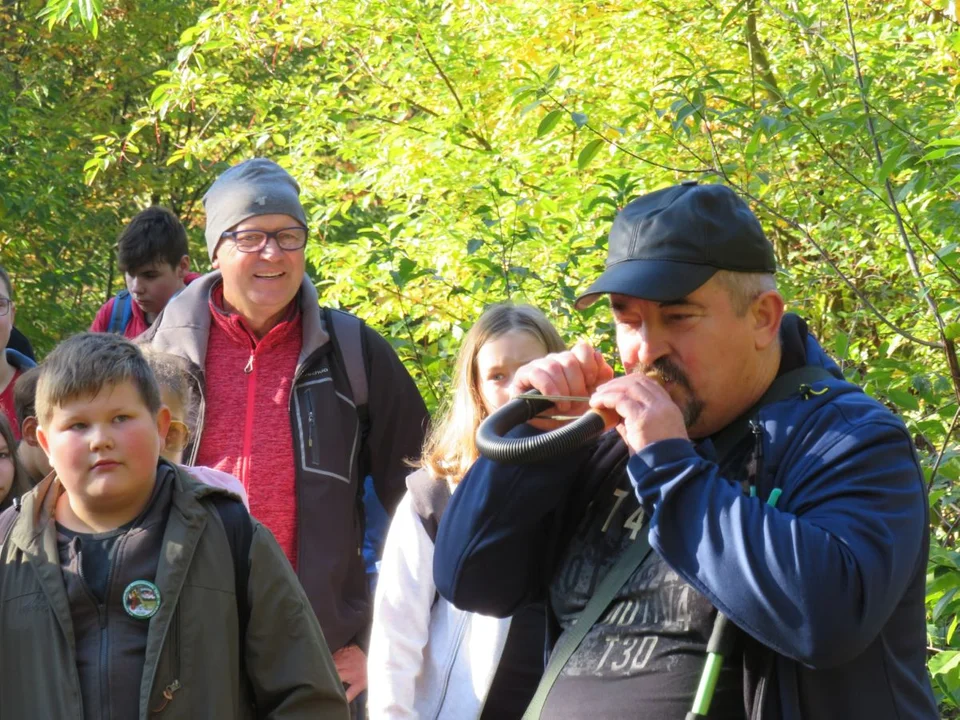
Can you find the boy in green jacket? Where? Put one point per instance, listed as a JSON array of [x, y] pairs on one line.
[[120, 574]]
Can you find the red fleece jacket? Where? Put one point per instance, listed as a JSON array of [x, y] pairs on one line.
[[247, 430]]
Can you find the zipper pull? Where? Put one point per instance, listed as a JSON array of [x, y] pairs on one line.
[[756, 461], [312, 425], [249, 367], [757, 431], [168, 692]]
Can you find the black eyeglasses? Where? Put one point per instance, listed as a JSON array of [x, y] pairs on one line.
[[251, 241], [5, 305]]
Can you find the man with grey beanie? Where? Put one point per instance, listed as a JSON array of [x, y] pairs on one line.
[[299, 402]]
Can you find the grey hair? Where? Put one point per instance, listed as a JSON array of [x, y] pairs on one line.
[[744, 288]]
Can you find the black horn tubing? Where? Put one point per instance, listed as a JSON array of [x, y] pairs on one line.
[[519, 451]]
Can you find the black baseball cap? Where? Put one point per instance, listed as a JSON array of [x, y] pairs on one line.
[[666, 244]]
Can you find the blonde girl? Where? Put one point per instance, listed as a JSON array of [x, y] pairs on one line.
[[428, 659]]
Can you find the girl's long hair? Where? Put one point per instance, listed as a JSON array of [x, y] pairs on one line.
[[21, 481], [450, 448]]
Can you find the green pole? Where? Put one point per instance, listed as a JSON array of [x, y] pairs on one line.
[[708, 683]]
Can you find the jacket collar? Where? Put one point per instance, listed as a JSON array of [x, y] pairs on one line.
[[183, 328]]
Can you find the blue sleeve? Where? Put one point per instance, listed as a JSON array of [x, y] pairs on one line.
[[817, 580], [376, 522], [493, 540]]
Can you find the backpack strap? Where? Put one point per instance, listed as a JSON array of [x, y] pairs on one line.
[[347, 336], [616, 578], [350, 345], [346, 333], [239, 529], [120, 314]]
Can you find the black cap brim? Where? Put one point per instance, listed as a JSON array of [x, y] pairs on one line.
[[657, 280]]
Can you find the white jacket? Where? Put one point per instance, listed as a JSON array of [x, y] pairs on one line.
[[427, 660]]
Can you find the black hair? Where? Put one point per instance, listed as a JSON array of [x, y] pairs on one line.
[[154, 235]]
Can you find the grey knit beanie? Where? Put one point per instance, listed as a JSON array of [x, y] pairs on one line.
[[254, 187]]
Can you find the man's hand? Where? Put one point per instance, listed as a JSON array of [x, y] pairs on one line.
[[352, 667], [576, 372], [647, 413]]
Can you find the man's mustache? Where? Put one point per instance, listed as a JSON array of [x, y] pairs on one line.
[[663, 370]]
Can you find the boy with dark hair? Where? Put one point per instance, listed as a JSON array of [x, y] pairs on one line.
[[130, 588], [153, 255], [32, 456], [12, 362]]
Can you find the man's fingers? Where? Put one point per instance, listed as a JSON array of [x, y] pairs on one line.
[[605, 371], [573, 372], [543, 375], [587, 358], [619, 400], [636, 385], [548, 378]]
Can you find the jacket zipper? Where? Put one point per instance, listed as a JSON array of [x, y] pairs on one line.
[[102, 621], [168, 692], [757, 429], [757, 470], [448, 670], [248, 419], [297, 375], [311, 430]]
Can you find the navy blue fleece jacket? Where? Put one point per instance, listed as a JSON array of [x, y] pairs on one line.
[[831, 580]]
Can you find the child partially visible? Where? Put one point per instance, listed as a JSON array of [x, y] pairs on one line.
[[177, 392], [152, 253], [32, 456], [13, 478], [124, 592], [12, 363], [429, 659]]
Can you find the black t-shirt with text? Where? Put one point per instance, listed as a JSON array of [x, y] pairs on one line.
[[644, 657]]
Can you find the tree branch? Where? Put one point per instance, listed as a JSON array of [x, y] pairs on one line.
[[469, 131], [758, 56], [940, 14], [943, 450], [823, 253], [618, 146], [948, 345], [439, 69]]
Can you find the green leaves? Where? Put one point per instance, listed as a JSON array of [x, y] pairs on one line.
[[73, 13], [549, 122], [589, 152], [437, 183]]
